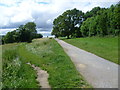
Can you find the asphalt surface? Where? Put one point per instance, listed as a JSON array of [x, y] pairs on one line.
[[100, 73]]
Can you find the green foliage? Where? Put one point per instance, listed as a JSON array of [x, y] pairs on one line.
[[97, 22], [92, 13], [117, 16], [38, 36], [31, 26], [9, 38], [102, 22], [25, 33], [106, 47], [85, 28], [16, 73], [68, 24]]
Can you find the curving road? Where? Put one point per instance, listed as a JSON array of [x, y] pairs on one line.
[[99, 72]]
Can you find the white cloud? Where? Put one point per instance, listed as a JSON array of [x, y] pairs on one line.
[[43, 12], [4, 31]]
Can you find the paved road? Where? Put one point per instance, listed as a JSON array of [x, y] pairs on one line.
[[99, 72]]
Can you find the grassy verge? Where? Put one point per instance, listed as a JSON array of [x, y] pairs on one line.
[[48, 55], [106, 47], [16, 73], [44, 53]]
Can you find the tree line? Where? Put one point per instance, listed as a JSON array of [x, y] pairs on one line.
[[25, 33], [97, 22]]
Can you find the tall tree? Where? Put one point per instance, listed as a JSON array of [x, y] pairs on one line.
[[25, 33], [106, 21], [68, 23], [9, 38], [31, 26], [92, 13], [117, 19]]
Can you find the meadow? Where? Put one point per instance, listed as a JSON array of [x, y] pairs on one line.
[[105, 47], [44, 53]]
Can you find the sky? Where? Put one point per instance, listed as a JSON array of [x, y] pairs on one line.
[[14, 13]]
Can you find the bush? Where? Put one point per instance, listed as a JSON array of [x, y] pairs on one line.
[[25, 33], [38, 36]]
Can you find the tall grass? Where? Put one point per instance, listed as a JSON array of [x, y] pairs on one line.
[[16, 74]]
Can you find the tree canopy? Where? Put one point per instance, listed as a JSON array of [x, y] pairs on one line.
[[98, 21], [68, 24], [25, 33], [105, 22]]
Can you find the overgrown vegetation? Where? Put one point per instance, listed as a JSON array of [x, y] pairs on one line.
[[25, 33], [106, 47], [41, 53], [16, 73], [97, 22]]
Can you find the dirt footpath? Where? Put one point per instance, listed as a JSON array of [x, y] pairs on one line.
[[42, 77]]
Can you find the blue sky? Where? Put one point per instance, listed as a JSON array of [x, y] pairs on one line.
[[18, 12]]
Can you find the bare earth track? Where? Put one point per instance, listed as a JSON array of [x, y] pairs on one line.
[[42, 77], [100, 73]]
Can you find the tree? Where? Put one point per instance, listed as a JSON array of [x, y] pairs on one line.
[[68, 24], [57, 28], [91, 13], [85, 28], [38, 36], [31, 26], [102, 23], [92, 26], [25, 33], [105, 22], [117, 19], [8, 38]]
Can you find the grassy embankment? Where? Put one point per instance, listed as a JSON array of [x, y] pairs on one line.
[[16, 73], [45, 53], [106, 47]]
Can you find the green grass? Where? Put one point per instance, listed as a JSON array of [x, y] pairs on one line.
[[48, 55], [44, 53], [16, 73], [106, 47]]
